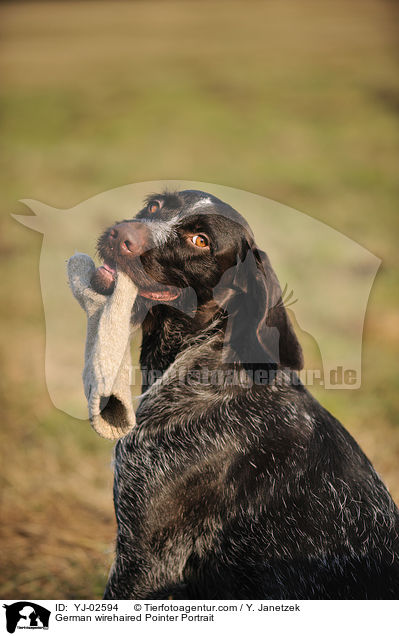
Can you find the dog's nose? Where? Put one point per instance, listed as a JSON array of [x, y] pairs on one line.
[[130, 238]]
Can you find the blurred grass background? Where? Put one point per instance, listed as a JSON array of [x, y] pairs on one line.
[[295, 100]]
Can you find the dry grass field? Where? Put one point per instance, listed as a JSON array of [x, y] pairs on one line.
[[297, 101]]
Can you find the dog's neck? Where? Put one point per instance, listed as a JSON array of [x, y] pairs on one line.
[[167, 332]]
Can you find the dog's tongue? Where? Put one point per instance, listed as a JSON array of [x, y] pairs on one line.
[[103, 279], [108, 268]]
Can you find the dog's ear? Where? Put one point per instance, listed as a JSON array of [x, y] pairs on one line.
[[259, 330]]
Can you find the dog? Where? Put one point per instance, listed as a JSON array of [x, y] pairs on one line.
[[236, 483]]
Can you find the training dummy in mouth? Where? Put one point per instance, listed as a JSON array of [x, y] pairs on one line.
[[106, 374]]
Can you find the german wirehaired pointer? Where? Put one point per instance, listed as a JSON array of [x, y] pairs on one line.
[[236, 482]]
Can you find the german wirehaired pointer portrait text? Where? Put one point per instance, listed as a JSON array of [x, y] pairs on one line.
[[236, 483]]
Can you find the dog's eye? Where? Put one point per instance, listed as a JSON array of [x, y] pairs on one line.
[[153, 207], [200, 240]]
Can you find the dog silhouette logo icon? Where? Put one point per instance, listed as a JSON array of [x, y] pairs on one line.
[[26, 615]]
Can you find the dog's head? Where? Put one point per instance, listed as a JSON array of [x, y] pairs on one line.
[[191, 240]]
